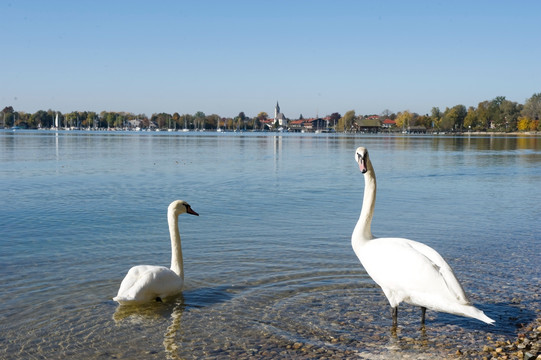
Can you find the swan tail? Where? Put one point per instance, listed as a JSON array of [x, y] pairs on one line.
[[123, 300], [473, 312], [466, 310], [481, 316]]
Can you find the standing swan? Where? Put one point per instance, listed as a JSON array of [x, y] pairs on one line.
[[406, 270], [145, 283]]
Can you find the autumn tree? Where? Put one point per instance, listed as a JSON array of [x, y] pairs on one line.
[[470, 121], [523, 123], [435, 117], [404, 119], [176, 119]]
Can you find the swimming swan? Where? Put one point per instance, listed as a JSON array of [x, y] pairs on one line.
[[406, 270], [145, 283]]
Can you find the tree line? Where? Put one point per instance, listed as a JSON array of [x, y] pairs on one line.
[[498, 114]]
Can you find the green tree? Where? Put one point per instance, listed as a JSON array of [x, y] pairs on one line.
[[453, 118], [435, 117], [509, 114], [199, 119], [424, 120], [240, 120], [334, 118], [262, 116], [110, 119], [90, 119], [187, 121], [486, 114], [532, 107], [120, 120], [212, 121], [346, 122]]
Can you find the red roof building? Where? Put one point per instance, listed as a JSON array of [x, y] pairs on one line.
[[388, 123]]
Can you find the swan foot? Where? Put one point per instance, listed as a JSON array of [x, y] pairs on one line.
[[423, 313]]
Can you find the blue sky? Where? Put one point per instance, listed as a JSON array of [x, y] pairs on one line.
[[224, 57]]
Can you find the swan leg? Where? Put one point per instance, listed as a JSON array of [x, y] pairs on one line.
[[423, 313], [394, 311]]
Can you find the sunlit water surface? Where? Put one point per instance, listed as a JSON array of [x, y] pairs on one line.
[[269, 267]]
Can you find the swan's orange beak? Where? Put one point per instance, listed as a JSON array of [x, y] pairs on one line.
[[190, 211], [362, 163], [362, 166]]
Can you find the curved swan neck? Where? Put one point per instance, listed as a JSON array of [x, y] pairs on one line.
[[177, 264], [362, 229]]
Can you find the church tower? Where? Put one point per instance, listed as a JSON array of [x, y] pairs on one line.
[[279, 117], [276, 111]]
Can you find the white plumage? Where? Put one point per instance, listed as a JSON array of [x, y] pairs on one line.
[[145, 283], [406, 270]]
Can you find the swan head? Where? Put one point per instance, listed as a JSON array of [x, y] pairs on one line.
[[178, 207], [361, 157]]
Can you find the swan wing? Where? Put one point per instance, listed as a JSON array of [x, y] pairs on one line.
[[445, 271], [410, 271], [146, 282]]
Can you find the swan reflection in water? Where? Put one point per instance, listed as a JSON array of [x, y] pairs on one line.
[[148, 312]]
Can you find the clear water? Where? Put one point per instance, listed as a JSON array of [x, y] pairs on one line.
[[269, 267]]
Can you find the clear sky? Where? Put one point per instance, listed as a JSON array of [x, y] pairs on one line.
[[226, 56]]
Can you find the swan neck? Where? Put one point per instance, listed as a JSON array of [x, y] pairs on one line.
[[363, 230], [177, 264]]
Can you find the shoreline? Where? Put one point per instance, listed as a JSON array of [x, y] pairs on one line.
[[210, 131], [526, 346]]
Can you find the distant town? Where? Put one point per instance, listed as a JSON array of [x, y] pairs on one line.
[[497, 115]]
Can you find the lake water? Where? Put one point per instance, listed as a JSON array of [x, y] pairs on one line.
[[270, 272]]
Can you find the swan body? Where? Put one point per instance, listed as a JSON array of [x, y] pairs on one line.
[[144, 283], [406, 270]]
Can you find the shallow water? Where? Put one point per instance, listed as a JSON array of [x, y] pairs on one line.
[[269, 267]]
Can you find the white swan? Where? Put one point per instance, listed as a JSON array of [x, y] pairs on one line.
[[145, 283], [406, 270]]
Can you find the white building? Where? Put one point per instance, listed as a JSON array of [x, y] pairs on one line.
[[280, 117]]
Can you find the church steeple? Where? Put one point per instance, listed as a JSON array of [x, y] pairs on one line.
[[276, 110]]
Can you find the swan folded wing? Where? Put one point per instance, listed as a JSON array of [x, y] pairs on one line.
[[444, 269], [146, 282], [409, 270]]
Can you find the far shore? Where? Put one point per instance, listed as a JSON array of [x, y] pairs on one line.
[[428, 133]]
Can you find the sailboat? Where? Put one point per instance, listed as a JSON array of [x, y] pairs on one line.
[[55, 125]]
